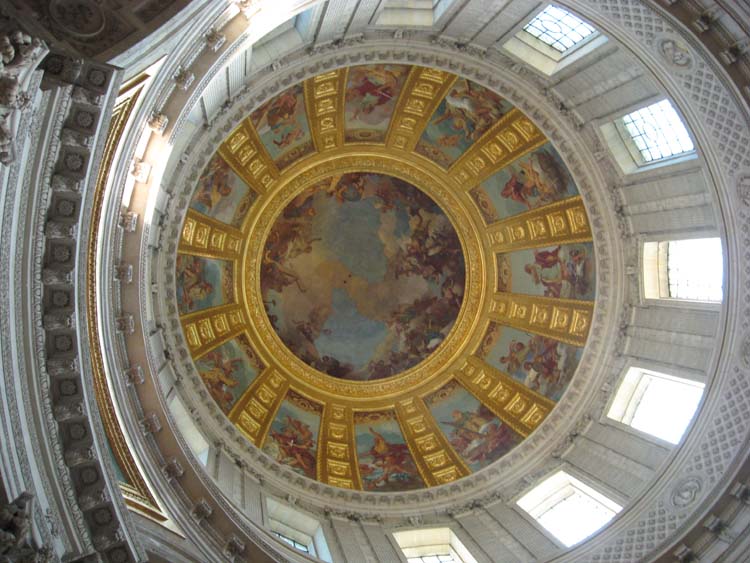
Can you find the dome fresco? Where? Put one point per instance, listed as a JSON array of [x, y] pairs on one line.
[[374, 302], [386, 277]]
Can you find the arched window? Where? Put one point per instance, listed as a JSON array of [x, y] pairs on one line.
[[568, 508]]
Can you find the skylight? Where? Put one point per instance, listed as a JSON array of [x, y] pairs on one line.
[[568, 508], [656, 403], [657, 132], [695, 269], [559, 29]]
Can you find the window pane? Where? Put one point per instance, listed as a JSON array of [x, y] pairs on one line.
[[666, 408], [559, 29], [695, 269], [658, 132], [575, 517], [568, 508]]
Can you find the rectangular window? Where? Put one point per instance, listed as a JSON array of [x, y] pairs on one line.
[[559, 29], [432, 545], [688, 270], [655, 133], [656, 403], [568, 508]]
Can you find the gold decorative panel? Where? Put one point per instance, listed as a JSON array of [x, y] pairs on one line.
[[436, 460], [244, 152], [324, 96], [558, 223], [424, 90], [515, 404], [565, 320], [255, 412], [208, 237], [205, 330], [337, 460], [510, 138]]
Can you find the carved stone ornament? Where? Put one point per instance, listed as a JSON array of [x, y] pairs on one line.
[[150, 424], [743, 189], [20, 54], [202, 510], [80, 18], [158, 122], [16, 543], [140, 170], [686, 491], [124, 273], [234, 548], [133, 375], [129, 221], [215, 40], [183, 78], [675, 53], [172, 470], [125, 324], [745, 352]]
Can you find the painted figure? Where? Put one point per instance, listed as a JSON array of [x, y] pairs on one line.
[[389, 462], [566, 276], [192, 281], [536, 181], [478, 436], [296, 445], [220, 377], [370, 87], [322, 287], [213, 185]]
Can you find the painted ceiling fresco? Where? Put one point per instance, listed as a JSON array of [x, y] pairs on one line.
[[355, 273], [371, 303]]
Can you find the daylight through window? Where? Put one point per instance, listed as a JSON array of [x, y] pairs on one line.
[[559, 29], [295, 544], [568, 508], [658, 132], [656, 403], [695, 269]]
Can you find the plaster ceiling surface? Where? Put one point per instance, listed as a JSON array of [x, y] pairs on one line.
[[385, 277]]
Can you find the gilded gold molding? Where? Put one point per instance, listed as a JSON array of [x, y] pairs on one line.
[[565, 320], [337, 458], [436, 460], [204, 236], [255, 412], [205, 330], [137, 494], [422, 93], [324, 100], [510, 138], [429, 178], [247, 156], [515, 404], [557, 223]]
